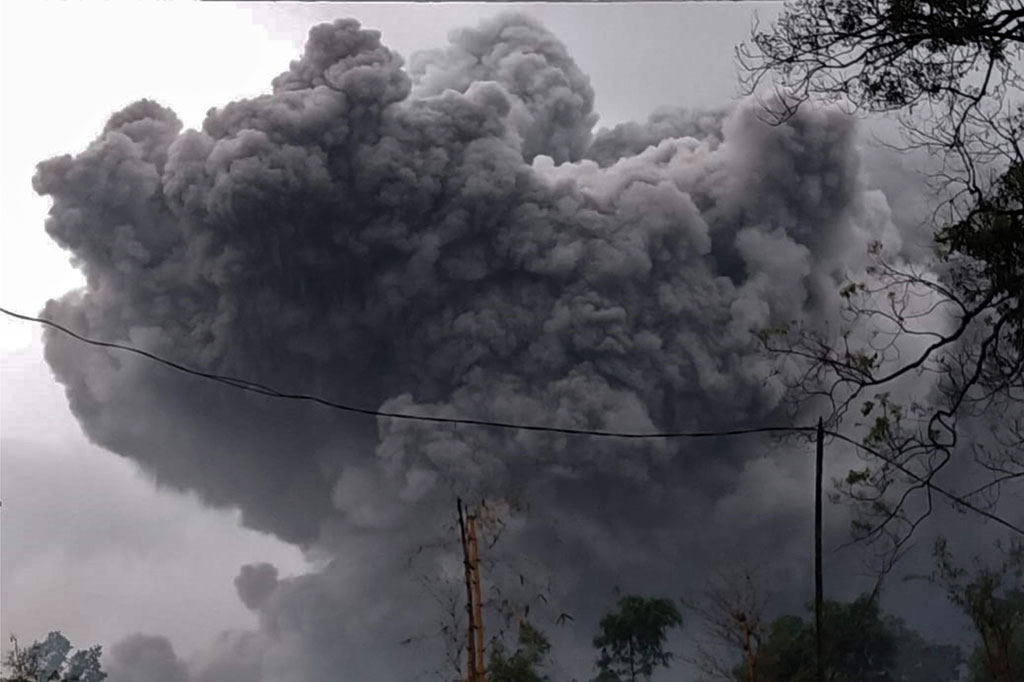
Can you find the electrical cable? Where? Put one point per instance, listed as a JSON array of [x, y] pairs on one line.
[[269, 391]]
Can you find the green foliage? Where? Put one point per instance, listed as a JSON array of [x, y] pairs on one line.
[[856, 476], [993, 598], [49, 661], [887, 423], [980, 670], [860, 645], [766, 334], [919, 660], [787, 650], [992, 235], [862, 362], [632, 639], [523, 665], [852, 288]]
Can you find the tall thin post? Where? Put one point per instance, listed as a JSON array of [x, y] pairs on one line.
[[471, 671], [819, 590], [748, 651], [478, 616]]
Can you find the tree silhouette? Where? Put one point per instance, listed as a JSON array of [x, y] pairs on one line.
[[52, 661], [861, 645], [524, 665], [732, 608], [950, 73], [632, 639], [889, 55], [993, 598]]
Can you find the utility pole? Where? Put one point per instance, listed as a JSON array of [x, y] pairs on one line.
[[474, 601], [819, 591]]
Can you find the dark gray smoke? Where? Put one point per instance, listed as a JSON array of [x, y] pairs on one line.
[[255, 583], [451, 239], [142, 658], [629, 139]]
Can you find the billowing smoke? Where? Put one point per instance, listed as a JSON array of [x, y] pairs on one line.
[[144, 658], [449, 239]]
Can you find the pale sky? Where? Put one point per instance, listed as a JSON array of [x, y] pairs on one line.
[[89, 545]]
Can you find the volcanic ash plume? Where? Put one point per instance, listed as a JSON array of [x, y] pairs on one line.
[[446, 240]]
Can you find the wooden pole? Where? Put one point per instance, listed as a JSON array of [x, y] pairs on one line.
[[478, 616], [819, 590], [471, 672], [748, 650]]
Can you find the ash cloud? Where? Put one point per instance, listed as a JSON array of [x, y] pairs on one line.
[[256, 582], [551, 108], [144, 658], [446, 239]]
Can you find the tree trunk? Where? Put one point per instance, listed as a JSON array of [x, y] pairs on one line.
[[632, 663]]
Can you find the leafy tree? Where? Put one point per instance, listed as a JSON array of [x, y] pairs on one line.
[[52, 661], [525, 663], [991, 235], [993, 598], [979, 669], [858, 647], [861, 645], [919, 660], [788, 650], [632, 639], [732, 609], [950, 73]]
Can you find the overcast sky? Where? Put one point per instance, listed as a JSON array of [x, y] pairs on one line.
[[91, 545]]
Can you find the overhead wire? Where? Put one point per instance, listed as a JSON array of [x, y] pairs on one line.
[[271, 392], [925, 481]]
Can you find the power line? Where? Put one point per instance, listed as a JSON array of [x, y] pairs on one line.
[[925, 481], [269, 391]]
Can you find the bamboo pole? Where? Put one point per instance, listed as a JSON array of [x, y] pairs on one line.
[[748, 651], [478, 617], [471, 671]]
